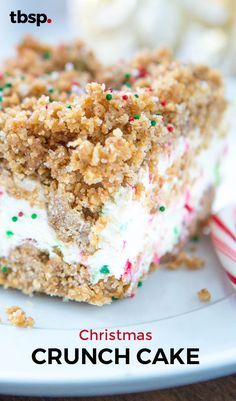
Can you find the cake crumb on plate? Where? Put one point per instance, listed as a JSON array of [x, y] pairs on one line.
[[17, 317], [183, 259], [204, 295]]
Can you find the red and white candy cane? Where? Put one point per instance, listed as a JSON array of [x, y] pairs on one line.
[[223, 234]]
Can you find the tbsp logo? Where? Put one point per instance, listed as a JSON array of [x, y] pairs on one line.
[[17, 17]]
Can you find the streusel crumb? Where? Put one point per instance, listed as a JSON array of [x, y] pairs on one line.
[[17, 317], [204, 295], [183, 259], [85, 140], [37, 58]]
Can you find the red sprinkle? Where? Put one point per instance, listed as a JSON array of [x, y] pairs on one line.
[[131, 119], [20, 214], [142, 72], [163, 103], [132, 186], [124, 97], [170, 128], [128, 267], [188, 207]]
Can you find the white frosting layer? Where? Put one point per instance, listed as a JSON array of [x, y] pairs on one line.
[[133, 238], [31, 226]]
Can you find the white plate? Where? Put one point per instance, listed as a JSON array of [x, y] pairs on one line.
[[167, 305]]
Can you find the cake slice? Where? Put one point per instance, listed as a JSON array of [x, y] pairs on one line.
[[99, 184]]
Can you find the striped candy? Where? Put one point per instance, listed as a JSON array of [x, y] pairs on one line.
[[223, 234]]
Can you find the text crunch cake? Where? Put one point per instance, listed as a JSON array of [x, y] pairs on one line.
[[104, 172]]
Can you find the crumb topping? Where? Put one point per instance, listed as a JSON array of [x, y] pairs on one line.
[[37, 58], [17, 317], [39, 69], [192, 262], [85, 143], [204, 295]]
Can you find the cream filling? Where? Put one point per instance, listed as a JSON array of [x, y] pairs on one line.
[[133, 238], [20, 223]]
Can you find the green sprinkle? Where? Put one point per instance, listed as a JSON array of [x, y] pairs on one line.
[[0, 98], [69, 106], [127, 75], [114, 299], [4, 269], [195, 238], [128, 84], [50, 100], [176, 231], [1, 88], [8, 85], [51, 90], [140, 284], [136, 95], [46, 55], [14, 218], [162, 208], [108, 96], [136, 117], [9, 233], [153, 123], [34, 216], [104, 269]]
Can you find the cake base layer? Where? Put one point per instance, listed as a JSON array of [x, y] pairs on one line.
[[31, 270]]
